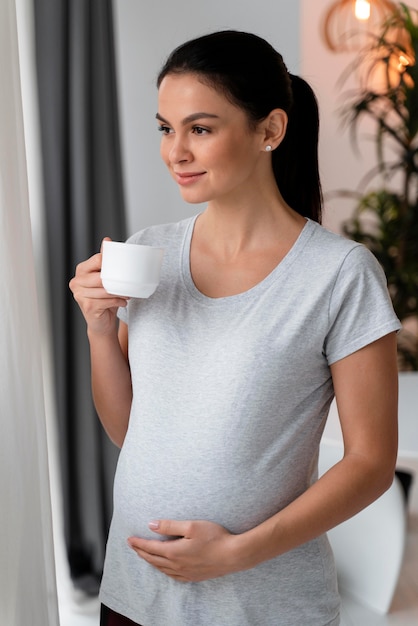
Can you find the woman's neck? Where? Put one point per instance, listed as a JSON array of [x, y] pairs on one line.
[[231, 229]]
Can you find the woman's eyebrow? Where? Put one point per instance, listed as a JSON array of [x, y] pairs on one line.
[[190, 118]]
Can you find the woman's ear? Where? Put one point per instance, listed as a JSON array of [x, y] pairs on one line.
[[275, 125]]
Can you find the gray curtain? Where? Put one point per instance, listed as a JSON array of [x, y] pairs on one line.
[[83, 202]]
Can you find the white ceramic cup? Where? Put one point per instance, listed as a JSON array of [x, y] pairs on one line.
[[130, 269]]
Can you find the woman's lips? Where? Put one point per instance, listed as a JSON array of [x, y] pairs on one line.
[[188, 178]]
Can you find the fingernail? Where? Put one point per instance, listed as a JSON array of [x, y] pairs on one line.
[[154, 524]]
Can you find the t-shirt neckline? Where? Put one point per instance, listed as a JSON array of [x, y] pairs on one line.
[[254, 291]]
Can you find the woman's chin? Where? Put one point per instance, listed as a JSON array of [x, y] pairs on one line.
[[192, 197]]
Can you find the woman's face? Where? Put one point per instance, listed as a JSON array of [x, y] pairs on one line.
[[207, 143]]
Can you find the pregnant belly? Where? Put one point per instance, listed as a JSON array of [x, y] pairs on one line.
[[183, 482]]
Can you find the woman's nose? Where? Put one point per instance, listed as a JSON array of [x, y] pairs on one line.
[[180, 150]]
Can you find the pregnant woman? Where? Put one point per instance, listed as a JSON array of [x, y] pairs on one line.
[[217, 387]]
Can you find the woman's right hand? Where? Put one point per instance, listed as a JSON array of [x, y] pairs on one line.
[[98, 307]]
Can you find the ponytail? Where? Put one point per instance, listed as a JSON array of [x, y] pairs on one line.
[[295, 161]]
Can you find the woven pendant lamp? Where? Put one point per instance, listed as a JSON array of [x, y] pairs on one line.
[[348, 23]]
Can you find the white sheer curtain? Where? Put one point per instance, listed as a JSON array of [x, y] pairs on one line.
[[27, 572]]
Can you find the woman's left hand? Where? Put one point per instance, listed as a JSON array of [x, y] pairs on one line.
[[199, 550]]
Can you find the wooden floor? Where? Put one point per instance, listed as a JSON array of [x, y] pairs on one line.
[[77, 610]]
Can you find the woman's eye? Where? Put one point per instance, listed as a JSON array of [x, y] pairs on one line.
[[198, 130], [164, 129]]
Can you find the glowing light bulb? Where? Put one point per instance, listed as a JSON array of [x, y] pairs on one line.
[[403, 63], [362, 10]]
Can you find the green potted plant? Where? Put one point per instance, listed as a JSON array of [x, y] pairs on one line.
[[385, 219]]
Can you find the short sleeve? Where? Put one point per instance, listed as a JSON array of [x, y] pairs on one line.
[[123, 314], [360, 308]]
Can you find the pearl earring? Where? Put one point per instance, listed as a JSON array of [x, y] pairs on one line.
[[268, 148]]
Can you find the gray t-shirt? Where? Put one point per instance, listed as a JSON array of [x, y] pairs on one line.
[[230, 399]]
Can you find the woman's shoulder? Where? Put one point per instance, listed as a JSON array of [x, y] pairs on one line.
[[332, 256], [322, 235], [162, 235], [330, 245]]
